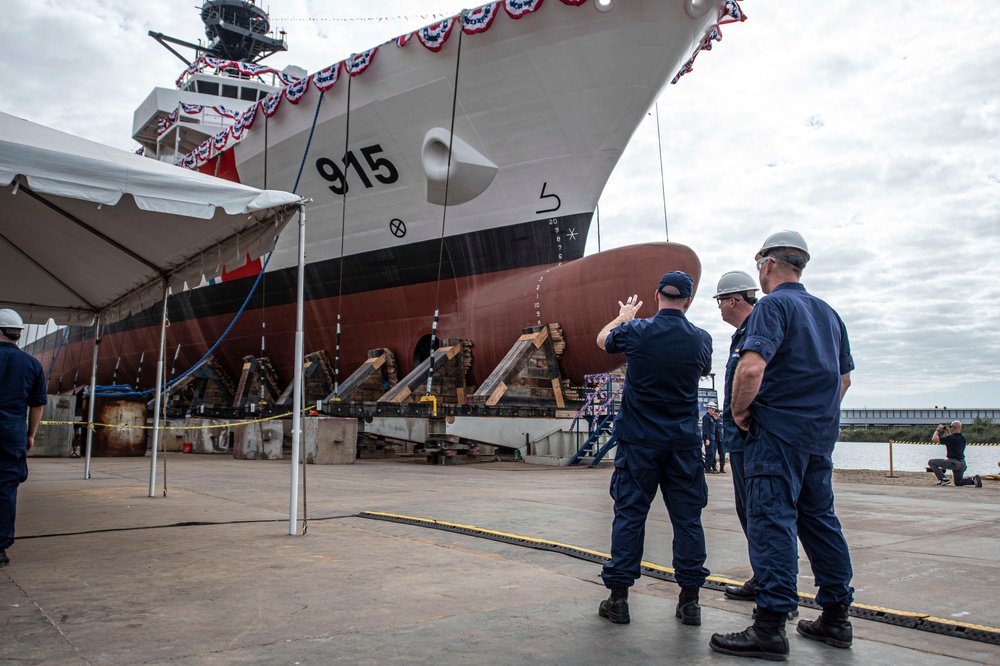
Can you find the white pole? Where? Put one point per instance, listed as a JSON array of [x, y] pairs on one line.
[[159, 389], [90, 407], [297, 381]]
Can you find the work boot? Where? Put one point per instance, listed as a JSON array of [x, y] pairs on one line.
[[4, 560], [764, 639], [688, 609], [833, 627], [615, 607], [745, 592]]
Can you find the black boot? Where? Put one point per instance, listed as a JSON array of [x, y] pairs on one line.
[[833, 627], [764, 639], [615, 607], [688, 609], [745, 592], [4, 560]]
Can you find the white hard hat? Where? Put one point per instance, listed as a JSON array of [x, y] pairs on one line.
[[735, 282], [791, 239], [10, 319], [712, 405]]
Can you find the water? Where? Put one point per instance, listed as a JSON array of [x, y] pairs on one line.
[[910, 457]]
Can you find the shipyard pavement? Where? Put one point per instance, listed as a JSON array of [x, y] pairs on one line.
[[103, 574]]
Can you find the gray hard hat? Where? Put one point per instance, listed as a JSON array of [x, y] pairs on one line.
[[791, 239], [10, 319], [735, 282]]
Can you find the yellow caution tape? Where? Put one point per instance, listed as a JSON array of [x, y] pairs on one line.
[[120, 426], [898, 441]]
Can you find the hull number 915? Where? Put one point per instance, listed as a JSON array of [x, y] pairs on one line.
[[381, 168]]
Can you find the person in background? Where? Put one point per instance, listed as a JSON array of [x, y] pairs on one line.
[[794, 369], [658, 443], [22, 396], [736, 295], [954, 442], [720, 443], [710, 435]]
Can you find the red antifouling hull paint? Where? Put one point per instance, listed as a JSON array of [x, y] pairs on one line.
[[581, 296]]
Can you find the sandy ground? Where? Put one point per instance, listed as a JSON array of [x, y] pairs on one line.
[[880, 477], [867, 476]]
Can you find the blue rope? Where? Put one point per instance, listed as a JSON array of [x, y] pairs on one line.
[[56, 356], [308, 142], [109, 390], [126, 391]]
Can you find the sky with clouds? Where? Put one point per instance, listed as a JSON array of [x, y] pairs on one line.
[[873, 128]]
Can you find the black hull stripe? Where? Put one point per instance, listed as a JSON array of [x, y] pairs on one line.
[[523, 245]]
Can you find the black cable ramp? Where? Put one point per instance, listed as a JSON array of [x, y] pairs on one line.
[[906, 619]]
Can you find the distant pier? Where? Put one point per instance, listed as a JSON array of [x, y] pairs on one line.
[[882, 418]]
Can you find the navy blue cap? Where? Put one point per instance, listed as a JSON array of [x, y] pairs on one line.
[[680, 280]]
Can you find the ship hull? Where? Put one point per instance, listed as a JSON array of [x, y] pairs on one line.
[[488, 309], [516, 129]]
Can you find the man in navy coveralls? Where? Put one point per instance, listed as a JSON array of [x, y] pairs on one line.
[[710, 433], [736, 296], [659, 445], [22, 387], [794, 369]]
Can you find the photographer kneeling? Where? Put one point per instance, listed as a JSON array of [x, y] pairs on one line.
[[954, 442]]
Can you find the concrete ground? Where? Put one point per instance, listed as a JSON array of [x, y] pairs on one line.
[[102, 574]]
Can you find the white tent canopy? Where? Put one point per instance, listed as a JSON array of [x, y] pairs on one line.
[[74, 249], [72, 246]]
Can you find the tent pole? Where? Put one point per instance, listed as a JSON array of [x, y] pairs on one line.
[[297, 381], [90, 406], [159, 389]]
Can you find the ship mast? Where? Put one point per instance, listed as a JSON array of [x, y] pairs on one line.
[[236, 29]]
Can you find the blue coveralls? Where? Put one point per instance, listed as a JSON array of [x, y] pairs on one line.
[[794, 423], [720, 442], [659, 445], [709, 433], [734, 437], [22, 385]]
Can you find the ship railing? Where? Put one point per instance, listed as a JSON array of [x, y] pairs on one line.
[[207, 123]]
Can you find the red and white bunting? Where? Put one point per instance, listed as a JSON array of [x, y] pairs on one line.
[[518, 8], [296, 91], [204, 151], [270, 103], [325, 78], [253, 69], [480, 19], [191, 109], [732, 13], [192, 68], [164, 124], [435, 35], [714, 35], [359, 62], [226, 113], [250, 115], [217, 63], [220, 141]]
